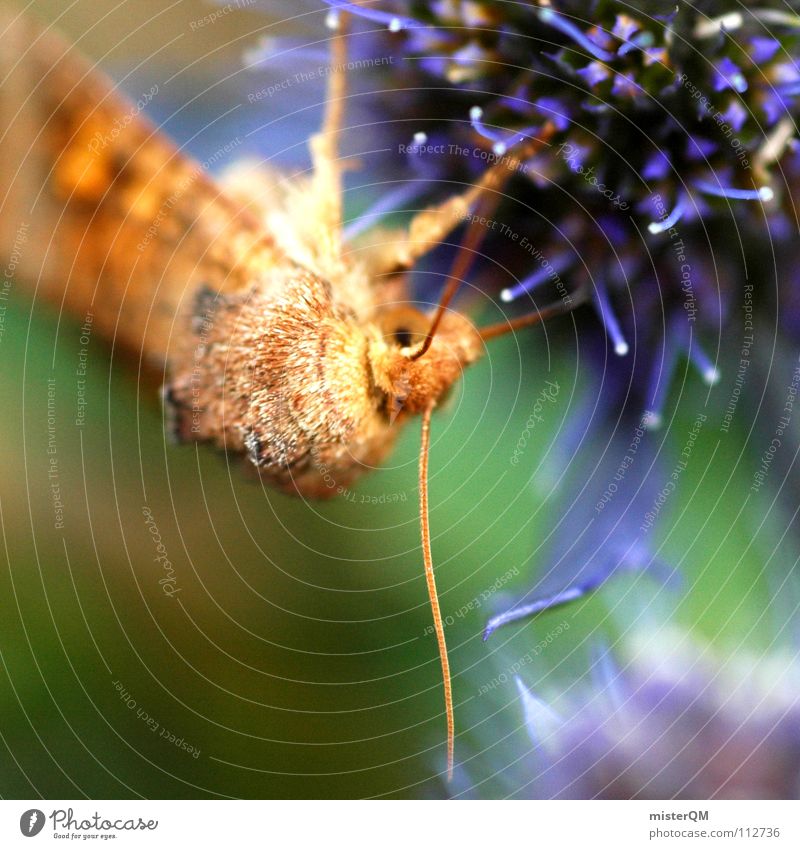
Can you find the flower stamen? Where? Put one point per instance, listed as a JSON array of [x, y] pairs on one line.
[[613, 330], [551, 17], [671, 220], [559, 264], [710, 373], [714, 26], [776, 16], [764, 193], [501, 143], [395, 23]]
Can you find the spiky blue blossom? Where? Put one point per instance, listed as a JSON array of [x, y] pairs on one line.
[[668, 133]]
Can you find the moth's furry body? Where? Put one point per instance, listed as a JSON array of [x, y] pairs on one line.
[[273, 338], [292, 376]]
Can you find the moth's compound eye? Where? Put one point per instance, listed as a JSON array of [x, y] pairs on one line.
[[404, 327], [403, 337]]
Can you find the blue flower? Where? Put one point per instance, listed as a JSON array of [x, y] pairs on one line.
[[681, 113]]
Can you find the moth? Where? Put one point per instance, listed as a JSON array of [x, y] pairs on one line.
[[278, 341]]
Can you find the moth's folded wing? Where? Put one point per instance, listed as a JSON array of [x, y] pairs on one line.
[[102, 213]]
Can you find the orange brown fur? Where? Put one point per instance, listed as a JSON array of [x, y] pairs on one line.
[[126, 227]]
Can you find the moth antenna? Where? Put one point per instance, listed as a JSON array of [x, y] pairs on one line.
[[464, 258], [431, 226], [438, 625], [565, 305], [327, 167]]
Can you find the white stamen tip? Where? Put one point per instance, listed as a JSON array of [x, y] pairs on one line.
[[395, 25], [711, 376], [506, 296], [621, 349], [652, 421], [476, 113], [420, 138], [499, 148], [729, 22], [332, 19], [766, 193]]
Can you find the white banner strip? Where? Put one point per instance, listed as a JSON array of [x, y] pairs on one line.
[[389, 824]]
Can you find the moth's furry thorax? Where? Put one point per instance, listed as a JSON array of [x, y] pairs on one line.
[[313, 394]]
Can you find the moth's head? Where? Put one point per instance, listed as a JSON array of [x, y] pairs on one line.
[[415, 367]]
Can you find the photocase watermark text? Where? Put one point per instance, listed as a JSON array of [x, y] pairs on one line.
[[168, 582]]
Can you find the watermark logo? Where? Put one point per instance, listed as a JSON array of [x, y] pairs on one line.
[[65, 825], [31, 822]]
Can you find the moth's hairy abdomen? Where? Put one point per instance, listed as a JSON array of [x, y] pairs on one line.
[[284, 375], [118, 222]]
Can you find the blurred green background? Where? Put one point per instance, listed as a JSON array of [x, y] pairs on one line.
[[296, 657]]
